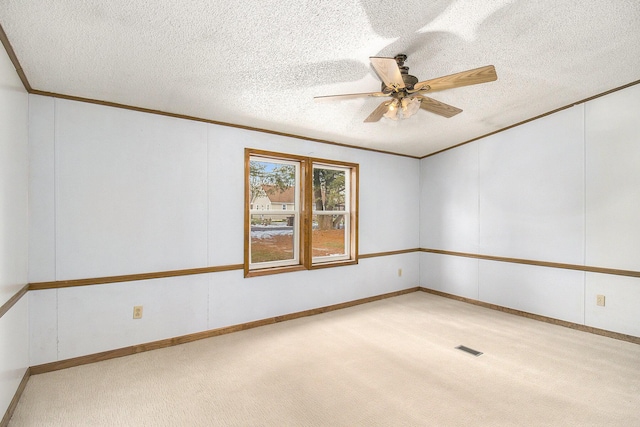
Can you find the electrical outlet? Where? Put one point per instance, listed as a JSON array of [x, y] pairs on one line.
[[137, 312], [399, 272], [600, 300]]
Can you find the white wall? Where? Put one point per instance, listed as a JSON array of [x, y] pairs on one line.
[[120, 192], [14, 341], [115, 192], [564, 189], [612, 136]]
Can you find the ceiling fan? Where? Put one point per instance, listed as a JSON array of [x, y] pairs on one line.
[[407, 92]]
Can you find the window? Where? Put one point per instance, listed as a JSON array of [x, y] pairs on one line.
[[317, 224], [330, 223], [273, 241]]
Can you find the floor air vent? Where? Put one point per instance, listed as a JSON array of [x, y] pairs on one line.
[[469, 350]]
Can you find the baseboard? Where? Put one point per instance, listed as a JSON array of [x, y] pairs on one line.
[[577, 326], [16, 397], [126, 351]]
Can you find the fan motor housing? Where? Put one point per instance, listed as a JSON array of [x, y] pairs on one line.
[[407, 78]]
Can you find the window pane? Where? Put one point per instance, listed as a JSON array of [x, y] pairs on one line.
[[328, 189], [272, 184], [272, 238], [328, 235]]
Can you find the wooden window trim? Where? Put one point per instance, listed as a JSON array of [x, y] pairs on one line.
[[306, 212]]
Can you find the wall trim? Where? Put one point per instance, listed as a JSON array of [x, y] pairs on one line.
[[37, 286], [14, 299], [583, 328], [548, 113], [126, 351], [56, 284], [209, 121], [587, 268], [16, 397], [377, 254], [14, 59]]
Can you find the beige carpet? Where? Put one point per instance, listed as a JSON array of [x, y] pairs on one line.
[[387, 363]]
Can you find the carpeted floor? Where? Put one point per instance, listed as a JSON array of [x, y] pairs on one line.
[[387, 363]]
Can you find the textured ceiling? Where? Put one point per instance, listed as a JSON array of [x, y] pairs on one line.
[[260, 64]]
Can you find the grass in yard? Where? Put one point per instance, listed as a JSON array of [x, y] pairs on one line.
[[327, 242], [280, 247], [276, 248]]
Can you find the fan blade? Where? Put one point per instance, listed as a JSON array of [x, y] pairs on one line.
[[378, 112], [388, 71], [438, 107], [465, 78], [348, 96]]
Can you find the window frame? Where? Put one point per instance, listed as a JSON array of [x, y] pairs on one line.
[[269, 211], [346, 212], [304, 194]]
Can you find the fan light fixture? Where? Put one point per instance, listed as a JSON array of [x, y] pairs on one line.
[[410, 106], [402, 109], [392, 110]]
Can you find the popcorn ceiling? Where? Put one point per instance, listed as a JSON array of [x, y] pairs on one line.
[[261, 63]]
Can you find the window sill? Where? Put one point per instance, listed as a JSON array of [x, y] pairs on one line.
[[334, 264], [273, 270]]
